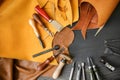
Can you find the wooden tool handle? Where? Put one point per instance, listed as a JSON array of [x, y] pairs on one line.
[[45, 63], [42, 13], [37, 19], [59, 69], [32, 23]]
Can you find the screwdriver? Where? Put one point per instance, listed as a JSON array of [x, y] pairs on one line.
[[32, 23], [37, 19], [78, 76], [95, 70], [72, 70], [56, 47], [90, 69], [83, 70]]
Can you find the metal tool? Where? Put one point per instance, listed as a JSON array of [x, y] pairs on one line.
[[65, 59], [56, 47], [98, 31], [48, 60], [72, 70], [112, 40], [56, 25], [90, 69], [95, 69], [78, 72], [37, 19], [107, 65], [32, 23], [68, 58], [83, 71], [113, 46], [116, 50]]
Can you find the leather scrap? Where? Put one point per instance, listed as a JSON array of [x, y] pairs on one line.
[[12, 69], [97, 19], [89, 15]]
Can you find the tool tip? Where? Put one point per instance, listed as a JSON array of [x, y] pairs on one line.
[[82, 64], [79, 65], [73, 63], [35, 55], [88, 58]]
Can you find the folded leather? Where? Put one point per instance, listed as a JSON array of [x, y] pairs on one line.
[[6, 69], [103, 10], [17, 38], [12, 69]]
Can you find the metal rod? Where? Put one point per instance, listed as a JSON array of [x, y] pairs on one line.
[[78, 76], [56, 47], [90, 69], [95, 69], [72, 70], [83, 70]]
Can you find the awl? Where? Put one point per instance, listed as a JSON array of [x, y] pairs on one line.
[[90, 69], [56, 25], [78, 76], [32, 23], [83, 71], [95, 70], [72, 71]]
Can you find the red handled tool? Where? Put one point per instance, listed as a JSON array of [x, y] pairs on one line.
[[48, 60], [56, 25]]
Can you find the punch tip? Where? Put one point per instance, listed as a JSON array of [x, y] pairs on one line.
[[73, 63], [82, 64], [78, 65]]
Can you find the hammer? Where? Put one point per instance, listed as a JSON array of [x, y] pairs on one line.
[[65, 59]]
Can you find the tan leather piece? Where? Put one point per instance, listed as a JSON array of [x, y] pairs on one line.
[[89, 15], [103, 8], [87, 12], [12, 69], [27, 70], [98, 16], [6, 69]]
